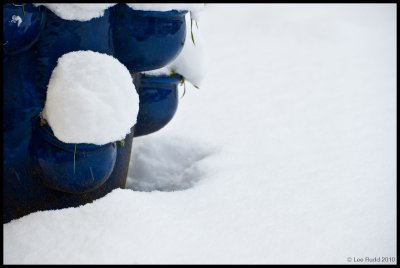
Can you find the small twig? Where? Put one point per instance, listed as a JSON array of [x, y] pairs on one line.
[[122, 143], [191, 30], [184, 87], [43, 122]]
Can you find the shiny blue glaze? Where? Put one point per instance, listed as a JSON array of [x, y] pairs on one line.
[[147, 40], [68, 167], [61, 36], [158, 101], [21, 101], [20, 33], [38, 169]]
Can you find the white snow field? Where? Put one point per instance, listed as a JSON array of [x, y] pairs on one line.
[[285, 155]]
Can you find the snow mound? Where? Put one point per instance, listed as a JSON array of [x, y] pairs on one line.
[[191, 62], [166, 164], [90, 99], [80, 12]]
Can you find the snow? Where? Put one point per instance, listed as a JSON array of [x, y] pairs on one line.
[[286, 155], [196, 14], [79, 12], [90, 99], [16, 19], [191, 62], [151, 171]]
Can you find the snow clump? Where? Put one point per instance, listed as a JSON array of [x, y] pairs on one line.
[[90, 99]]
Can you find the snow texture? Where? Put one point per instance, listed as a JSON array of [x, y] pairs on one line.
[[166, 164], [79, 12], [191, 63], [288, 150], [90, 99]]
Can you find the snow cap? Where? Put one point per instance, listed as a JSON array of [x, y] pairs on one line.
[[90, 99]]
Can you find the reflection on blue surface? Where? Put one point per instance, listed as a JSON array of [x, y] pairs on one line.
[[61, 36], [158, 101], [68, 167], [147, 40], [21, 27]]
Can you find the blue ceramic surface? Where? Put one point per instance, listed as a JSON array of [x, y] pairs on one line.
[[147, 40], [21, 101], [61, 36], [158, 101], [38, 170], [21, 27], [68, 167]]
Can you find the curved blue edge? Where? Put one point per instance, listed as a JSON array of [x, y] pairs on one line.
[[66, 167], [147, 40], [158, 97], [30, 152], [21, 27]]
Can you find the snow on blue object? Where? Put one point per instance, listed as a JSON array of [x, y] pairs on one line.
[[91, 98], [300, 103]]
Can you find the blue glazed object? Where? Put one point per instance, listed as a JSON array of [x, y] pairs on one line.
[[38, 169], [21, 101], [71, 168], [158, 101], [21, 27], [61, 36], [147, 40]]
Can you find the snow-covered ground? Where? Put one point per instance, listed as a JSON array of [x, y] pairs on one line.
[[286, 154]]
